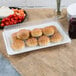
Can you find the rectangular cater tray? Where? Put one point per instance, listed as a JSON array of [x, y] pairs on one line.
[[7, 37]]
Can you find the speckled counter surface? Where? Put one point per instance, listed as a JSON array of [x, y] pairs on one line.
[[6, 68], [52, 61]]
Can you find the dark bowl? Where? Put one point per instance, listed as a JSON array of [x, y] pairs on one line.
[[19, 22]]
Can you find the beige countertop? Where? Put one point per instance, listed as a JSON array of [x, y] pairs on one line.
[[52, 61]]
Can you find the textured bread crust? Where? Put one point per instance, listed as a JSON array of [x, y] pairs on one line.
[[43, 40], [56, 37], [36, 32], [54, 27], [18, 45], [14, 36], [23, 34], [48, 31], [31, 42]]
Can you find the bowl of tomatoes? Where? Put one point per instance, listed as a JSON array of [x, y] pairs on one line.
[[18, 17]]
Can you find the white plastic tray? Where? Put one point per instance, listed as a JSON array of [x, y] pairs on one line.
[[7, 37]]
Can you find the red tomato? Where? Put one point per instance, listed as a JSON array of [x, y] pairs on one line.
[[7, 18], [10, 23], [2, 24], [3, 20], [20, 17], [16, 18], [12, 19], [7, 23], [10, 16], [15, 22], [19, 20]]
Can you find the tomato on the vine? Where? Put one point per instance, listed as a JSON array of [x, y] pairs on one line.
[[17, 17]]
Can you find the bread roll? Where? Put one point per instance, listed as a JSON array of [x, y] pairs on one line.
[[43, 40], [36, 32], [18, 44], [48, 31], [31, 42], [23, 34], [56, 37]]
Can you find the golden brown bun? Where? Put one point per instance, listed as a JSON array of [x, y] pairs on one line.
[[14, 36], [48, 31], [56, 37], [18, 45], [55, 29], [43, 40], [23, 34], [36, 32], [31, 42]]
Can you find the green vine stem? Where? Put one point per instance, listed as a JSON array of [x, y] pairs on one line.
[[0, 20]]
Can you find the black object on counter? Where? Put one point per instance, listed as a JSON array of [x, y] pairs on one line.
[[72, 28]]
